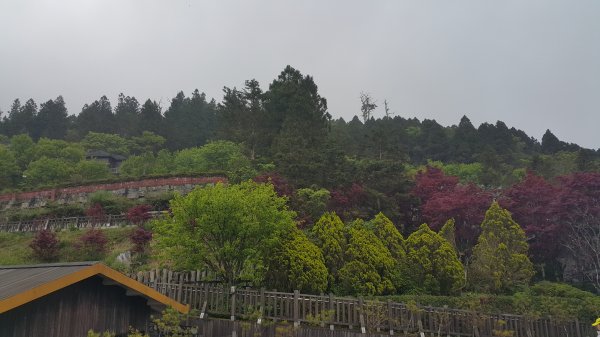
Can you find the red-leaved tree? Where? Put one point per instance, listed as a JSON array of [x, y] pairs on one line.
[[45, 245], [92, 244], [282, 187], [442, 198], [139, 215]]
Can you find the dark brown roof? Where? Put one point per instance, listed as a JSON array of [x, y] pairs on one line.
[[16, 279]]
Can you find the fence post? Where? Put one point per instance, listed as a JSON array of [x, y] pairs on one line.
[[296, 309], [332, 311], [390, 317], [361, 317], [232, 292]]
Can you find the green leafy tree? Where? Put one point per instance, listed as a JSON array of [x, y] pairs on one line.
[[500, 263], [89, 170], [328, 234], [311, 203], [295, 263], [434, 265], [110, 143], [389, 235], [223, 227], [9, 170], [369, 267], [58, 149], [24, 149], [148, 142], [47, 171], [223, 156]]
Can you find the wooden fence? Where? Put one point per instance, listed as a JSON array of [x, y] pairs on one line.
[[351, 313], [57, 224]]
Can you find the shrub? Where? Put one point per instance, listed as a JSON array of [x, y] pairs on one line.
[[140, 238], [92, 244], [45, 245], [139, 214], [111, 203]]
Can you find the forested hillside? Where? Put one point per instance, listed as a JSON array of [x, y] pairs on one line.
[[410, 170]]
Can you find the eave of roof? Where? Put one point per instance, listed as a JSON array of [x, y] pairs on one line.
[[86, 272]]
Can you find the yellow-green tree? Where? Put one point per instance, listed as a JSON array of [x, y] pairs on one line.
[[500, 263], [434, 265], [227, 228], [295, 263], [328, 235], [389, 235], [369, 267], [448, 232]]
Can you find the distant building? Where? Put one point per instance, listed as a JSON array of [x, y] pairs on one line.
[[113, 161], [68, 299]]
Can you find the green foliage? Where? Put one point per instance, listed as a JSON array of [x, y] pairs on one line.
[[9, 169], [448, 232], [500, 263], [215, 156], [295, 263], [110, 143], [369, 267], [92, 333], [47, 171], [311, 203], [59, 149], [147, 142], [110, 202], [223, 227], [90, 170], [24, 149], [328, 234], [433, 264], [169, 323]]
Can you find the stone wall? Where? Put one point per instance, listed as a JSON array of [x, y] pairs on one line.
[[80, 194]]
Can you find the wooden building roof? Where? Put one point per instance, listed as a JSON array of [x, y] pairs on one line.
[[23, 284]]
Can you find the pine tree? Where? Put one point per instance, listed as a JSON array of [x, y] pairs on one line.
[[448, 232], [500, 263]]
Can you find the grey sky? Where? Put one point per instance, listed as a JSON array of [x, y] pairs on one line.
[[533, 64]]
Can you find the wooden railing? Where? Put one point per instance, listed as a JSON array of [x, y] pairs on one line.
[[57, 224], [352, 313]]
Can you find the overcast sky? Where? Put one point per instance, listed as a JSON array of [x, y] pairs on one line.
[[532, 64]]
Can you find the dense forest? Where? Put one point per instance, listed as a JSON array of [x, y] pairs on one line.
[[411, 171]]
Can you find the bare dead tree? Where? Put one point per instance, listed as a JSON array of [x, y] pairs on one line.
[[584, 242], [367, 105], [386, 107]]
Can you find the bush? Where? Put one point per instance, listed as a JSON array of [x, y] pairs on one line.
[[139, 214], [111, 203], [140, 238], [45, 245], [92, 244]]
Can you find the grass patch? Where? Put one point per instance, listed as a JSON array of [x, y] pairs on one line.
[[14, 247]]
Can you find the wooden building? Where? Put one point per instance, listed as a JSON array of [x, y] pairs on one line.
[[68, 299]]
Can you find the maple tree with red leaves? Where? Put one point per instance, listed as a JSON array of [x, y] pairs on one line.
[[346, 201], [139, 214], [530, 202], [442, 198], [282, 187]]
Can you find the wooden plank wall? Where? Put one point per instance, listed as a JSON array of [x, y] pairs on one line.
[[346, 312]]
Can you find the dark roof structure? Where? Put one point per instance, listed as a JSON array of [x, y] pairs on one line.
[[23, 284], [103, 154]]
